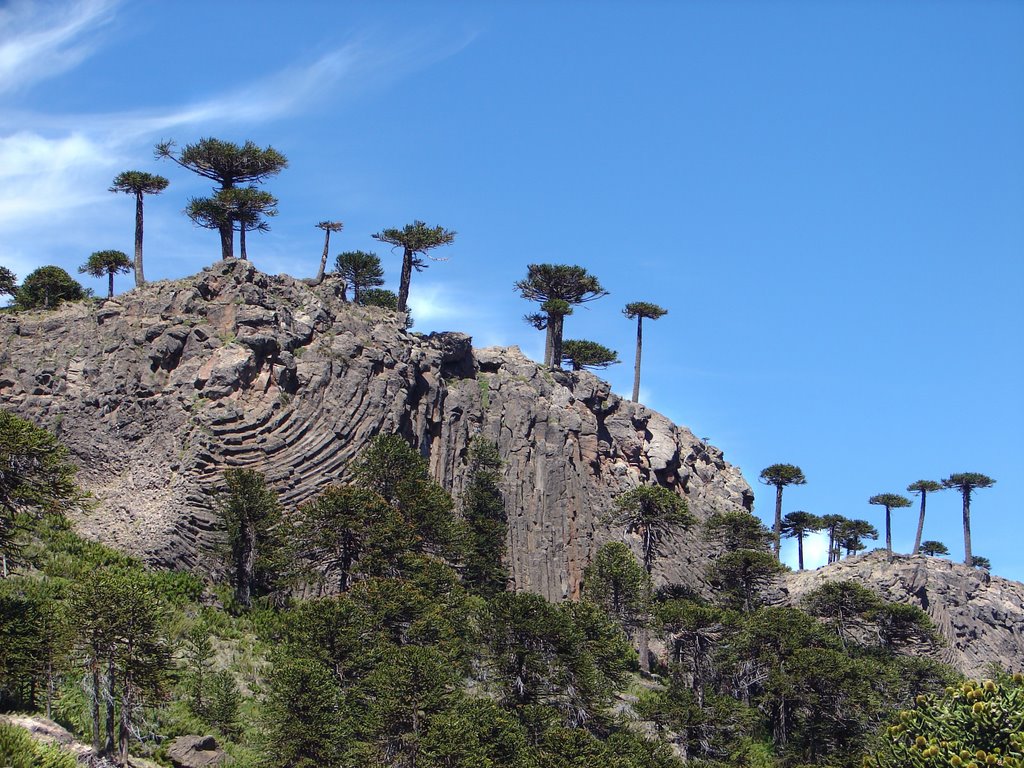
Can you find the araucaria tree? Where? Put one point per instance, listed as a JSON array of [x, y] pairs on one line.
[[106, 263], [241, 208], [652, 512], [922, 487], [581, 353], [641, 310], [415, 240], [558, 288], [138, 183], [327, 227], [781, 475], [933, 548], [228, 165], [47, 287], [361, 270], [967, 483], [8, 282], [796, 525], [890, 501], [251, 515]]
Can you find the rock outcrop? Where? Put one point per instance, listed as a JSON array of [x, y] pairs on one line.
[[980, 616], [159, 390]]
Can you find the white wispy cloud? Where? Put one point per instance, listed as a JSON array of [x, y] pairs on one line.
[[40, 40]]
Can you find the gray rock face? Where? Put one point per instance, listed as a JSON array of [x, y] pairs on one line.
[[159, 390], [980, 616], [196, 752]]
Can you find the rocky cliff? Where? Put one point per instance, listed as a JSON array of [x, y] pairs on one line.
[[980, 616], [159, 390]]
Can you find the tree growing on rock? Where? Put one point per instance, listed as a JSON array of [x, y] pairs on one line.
[[416, 241], [251, 515], [580, 354], [228, 165], [362, 271], [780, 475], [796, 525], [850, 535], [967, 483], [8, 282], [890, 501], [922, 488], [46, 288], [558, 288], [977, 561], [639, 310], [240, 208], [108, 264], [35, 476], [620, 586], [483, 509], [327, 227], [138, 183], [653, 513], [933, 548]]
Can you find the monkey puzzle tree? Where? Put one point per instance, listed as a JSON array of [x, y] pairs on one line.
[[781, 475], [107, 263], [890, 501], [35, 476], [415, 240], [977, 561], [138, 183], [830, 524], [8, 282], [241, 208], [558, 288], [361, 270], [251, 515], [922, 487], [796, 525], [967, 483], [327, 227], [618, 584], [641, 310], [229, 165], [850, 535], [933, 548], [47, 287], [653, 512], [581, 353]]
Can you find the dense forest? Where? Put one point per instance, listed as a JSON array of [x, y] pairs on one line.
[[372, 626]]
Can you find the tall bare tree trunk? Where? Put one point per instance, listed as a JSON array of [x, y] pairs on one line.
[[227, 241], [110, 285], [557, 323], [636, 365], [139, 277], [967, 527], [241, 240], [323, 259], [403, 285], [777, 528]]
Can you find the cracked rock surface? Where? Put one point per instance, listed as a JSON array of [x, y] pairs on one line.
[[159, 390], [980, 616]]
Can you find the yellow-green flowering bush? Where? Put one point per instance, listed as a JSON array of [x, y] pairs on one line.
[[973, 725]]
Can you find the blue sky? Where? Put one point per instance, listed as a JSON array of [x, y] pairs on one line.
[[827, 197]]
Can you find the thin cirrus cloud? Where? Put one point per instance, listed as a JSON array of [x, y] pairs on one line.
[[40, 40]]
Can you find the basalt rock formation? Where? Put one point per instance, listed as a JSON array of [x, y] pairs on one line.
[[980, 616], [159, 390]]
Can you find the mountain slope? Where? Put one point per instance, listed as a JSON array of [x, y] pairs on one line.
[[159, 390]]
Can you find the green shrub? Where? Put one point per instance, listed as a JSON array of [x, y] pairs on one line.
[[19, 750], [972, 725]]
